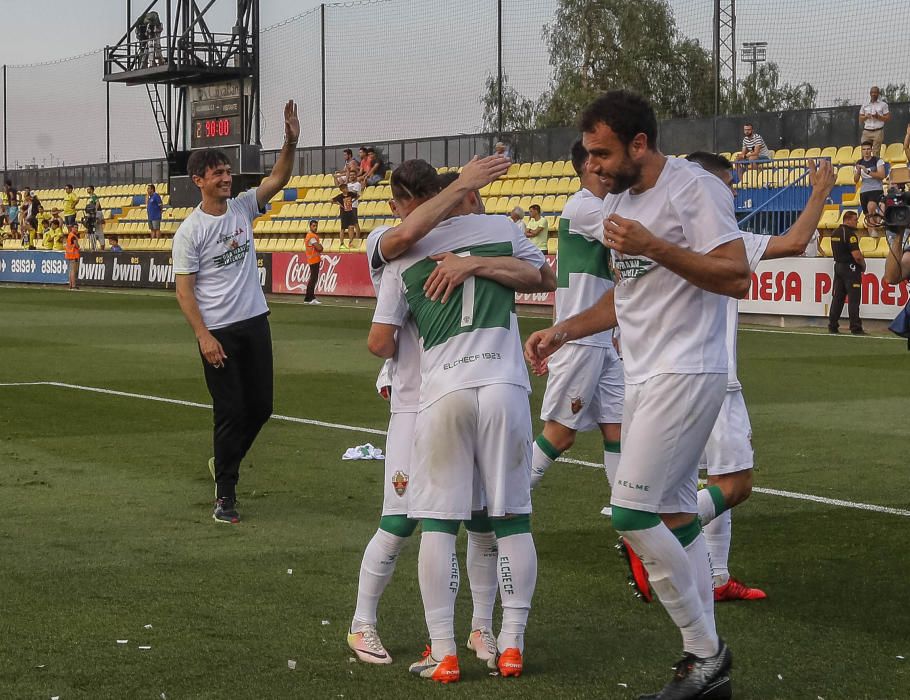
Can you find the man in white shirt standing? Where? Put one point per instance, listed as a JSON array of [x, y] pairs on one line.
[[873, 116], [219, 294], [677, 253]]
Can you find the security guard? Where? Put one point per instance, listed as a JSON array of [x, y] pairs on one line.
[[849, 265]]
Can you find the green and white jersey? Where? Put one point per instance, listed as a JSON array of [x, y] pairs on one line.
[[583, 266], [472, 340]]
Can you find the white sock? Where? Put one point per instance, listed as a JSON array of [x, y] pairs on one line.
[[482, 557], [705, 507], [673, 579], [540, 462], [697, 551], [718, 535], [611, 464], [376, 571], [437, 572], [517, 580]]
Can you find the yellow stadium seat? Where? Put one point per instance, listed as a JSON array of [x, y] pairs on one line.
[[552, 186], [844, 156], [546, 169], [575, 184], [509, 187], [513, 202], [899, 173], [868, 245], [528, 188], [540, 186], [851, 200], [857, 153], [552, 246], [798, 153], [830, 219], [824, 246], [526, 202], [882, 251], [534, 171], [299, 245], [895, 154], [845, 175], [560, 203], [548, 204], [567, 169], [525, 170], [552, 224], [829, 152], [513, 170], [496, 188], [779, 154], [813, 152]]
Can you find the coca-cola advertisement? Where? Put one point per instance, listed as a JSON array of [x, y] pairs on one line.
[[340, 274], [544, 299]]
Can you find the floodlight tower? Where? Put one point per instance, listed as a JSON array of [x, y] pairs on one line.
[[724, 48], [209, 81]]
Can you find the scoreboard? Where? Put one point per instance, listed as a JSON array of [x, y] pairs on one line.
[[215, 115]]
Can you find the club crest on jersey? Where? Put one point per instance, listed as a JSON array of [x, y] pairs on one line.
[[400, 482], [577, 404]]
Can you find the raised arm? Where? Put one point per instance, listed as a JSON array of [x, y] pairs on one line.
[[284, 165], [478, 173], [795, 240]]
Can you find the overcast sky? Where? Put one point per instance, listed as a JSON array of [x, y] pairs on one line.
[[396, 69]]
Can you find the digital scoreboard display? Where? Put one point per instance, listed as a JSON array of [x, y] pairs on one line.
[[216, 115]]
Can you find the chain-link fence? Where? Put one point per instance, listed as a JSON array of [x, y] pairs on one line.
[[383, 70]]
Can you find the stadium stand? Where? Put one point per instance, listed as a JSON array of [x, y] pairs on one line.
[[547, 183]]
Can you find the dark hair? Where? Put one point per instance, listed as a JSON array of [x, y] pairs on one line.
[[579, 156], [850, 212], [626, 113], [747, 124], [535, 206], [314, 221], [90, 187], [153, 187], [711, 162], [414, 179], [70, 186], [349, 152], [200, 161], [446, 179], [866, 143], [115, 239], [371, 150]]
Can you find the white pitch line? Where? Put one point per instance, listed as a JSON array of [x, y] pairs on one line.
[[374, 431], [819, 334]]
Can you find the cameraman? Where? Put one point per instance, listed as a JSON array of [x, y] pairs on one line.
[[897, 263]]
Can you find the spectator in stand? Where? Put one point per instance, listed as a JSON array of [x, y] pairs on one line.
[[754, 147], [849, 265], [72, 255], [518, 218], [350, 164], [870, 169], [115, 244], [376, 172], [70, 200], [313, 249], [537, 228], [873, 116], [365, 162], [24, 228], [347, 214], [12, 208], [501, 149], [153, 207], [53, 236], [31, 218], [90, 220], [355, 187]]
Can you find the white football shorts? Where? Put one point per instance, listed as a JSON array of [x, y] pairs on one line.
[[397, 479], [472, 443], [729, 447], [668, 419], [585, 387]]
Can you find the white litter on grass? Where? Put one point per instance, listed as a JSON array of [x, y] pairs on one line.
[[352, 660], [40, 666], [163, 696], [779, 677], [623, 685], [292, 664], [123, 641], [899, 657], [55, 697], [144, 647], [290, 571], [148, 627], [606, 510], [366, 451], [325, 622]]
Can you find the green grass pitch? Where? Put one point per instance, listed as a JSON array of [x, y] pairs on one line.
[[106, 525]]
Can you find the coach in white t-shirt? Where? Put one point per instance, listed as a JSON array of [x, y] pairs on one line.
[[677, 254], [218, 292]]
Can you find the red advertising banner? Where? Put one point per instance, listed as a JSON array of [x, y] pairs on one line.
[[340, 274]]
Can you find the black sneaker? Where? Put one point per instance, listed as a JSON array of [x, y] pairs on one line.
[[699, 679], [859, 332], [226, 511], [833, 331]]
